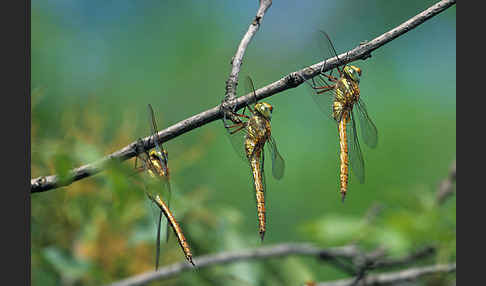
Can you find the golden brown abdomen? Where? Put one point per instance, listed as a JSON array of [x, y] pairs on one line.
[[343, 144], [259, 191], [176, 228]]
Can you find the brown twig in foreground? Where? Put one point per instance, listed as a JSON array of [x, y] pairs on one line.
[[394, 277], [236, 256], [292, 80], [350, 254]]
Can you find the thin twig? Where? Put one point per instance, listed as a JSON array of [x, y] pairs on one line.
[[395, 277], [411, 258], [237, 59], [292, 80], [364, 262], [446, 187], [236, 256]]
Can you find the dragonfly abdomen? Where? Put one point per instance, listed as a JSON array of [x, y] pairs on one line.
[[259, 190], [343, 144], [176, 228]]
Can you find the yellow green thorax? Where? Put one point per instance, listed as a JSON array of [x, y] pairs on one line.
[[258, 128], [346, 91], [265, 109], [352, 72], [156, 158]]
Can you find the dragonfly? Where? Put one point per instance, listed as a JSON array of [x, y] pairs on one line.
[[339, 98], [249, 136], [155, 163]]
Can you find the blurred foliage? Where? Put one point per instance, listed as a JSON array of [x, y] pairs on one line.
[[95, 66]]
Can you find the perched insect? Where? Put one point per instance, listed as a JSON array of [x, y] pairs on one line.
[[338, 97], [249, 138], [155, 163]]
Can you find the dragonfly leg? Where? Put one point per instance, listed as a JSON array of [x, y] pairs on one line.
[[242, 115], [330, 77], [238, 129], [322, 89], [251, 109], [235, 125]]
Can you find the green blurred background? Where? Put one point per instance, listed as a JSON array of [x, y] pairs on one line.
[[96, 65]]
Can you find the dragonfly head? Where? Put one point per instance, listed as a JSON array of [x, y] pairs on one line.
[[264, 109], [353, 72]]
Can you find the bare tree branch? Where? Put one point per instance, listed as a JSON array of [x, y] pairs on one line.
[[331, 255], [446, 187], [292, 80], [394, 277], [411, 258], [236, 256]]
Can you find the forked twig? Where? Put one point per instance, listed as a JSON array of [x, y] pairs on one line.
[[223, 258], [237, 60], [392, 278]]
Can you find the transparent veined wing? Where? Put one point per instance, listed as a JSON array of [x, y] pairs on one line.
[[153, 129], [323, 85], [163, 161], [322, 94], [278, 163], [157, 187], [368, 128], [262, 166], [354, 150], [250, 88], [329, 52], [237, 135]]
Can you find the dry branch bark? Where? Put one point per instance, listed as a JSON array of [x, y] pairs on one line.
[[237, 59], [292, 80], [242, 255], [350, 253], [395, 277]]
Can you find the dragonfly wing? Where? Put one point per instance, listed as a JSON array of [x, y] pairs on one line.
[[278, 163], [154, 130], [262, 165], [354, 150], [157, 219], [236, 133], [250, 88], [368, 128], [328, 50], [323, 99], [153, 126], [157, 253], [323, 84], [169, 195]]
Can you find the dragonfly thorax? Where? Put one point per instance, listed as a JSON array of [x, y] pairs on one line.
[[159, 162], [352, 72], [346, 95], [264, 109]]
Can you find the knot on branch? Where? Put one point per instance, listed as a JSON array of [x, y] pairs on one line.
[[294, 79], [38, 182], [257, 20]]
